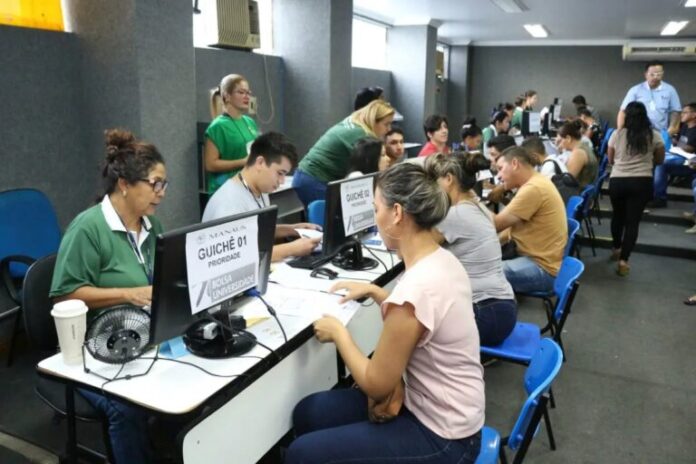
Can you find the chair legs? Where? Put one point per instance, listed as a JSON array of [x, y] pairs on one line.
[[590, 233], [547, 421], [13, 338]]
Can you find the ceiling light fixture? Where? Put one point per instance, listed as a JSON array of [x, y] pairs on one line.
[[510, 6], [690, 3], [673, 27], [536, 30]]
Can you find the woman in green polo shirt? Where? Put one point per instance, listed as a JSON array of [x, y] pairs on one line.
[[106, 258], [328, 159], [229, 136]]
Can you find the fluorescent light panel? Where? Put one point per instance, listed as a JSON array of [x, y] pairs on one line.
[[510, 6], [690, 4], [536, 30], [673, 27]]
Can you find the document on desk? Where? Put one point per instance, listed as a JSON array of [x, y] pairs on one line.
[[311, 233], [310, 304]]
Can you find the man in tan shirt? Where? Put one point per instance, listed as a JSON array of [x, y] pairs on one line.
[[535, 219]]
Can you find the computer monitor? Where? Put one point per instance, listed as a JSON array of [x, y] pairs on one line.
[[557, 110], [531, 123], [171, 311], [342, 226]]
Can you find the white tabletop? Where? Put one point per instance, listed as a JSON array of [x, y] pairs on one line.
[[174, 388]]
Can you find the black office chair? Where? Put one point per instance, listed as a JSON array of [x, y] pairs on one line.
[[41, 332]]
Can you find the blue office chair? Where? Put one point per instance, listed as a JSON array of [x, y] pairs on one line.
[[605, 143], [573, 206], [543, 368], [573, 228], [315, 212], [601, 178], [28, 231], [666, 138], [490, 446], [525, 339], [588, 195]]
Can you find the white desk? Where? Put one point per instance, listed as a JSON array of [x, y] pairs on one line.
[[239, 418]]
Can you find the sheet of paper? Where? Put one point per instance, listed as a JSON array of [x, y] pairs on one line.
[[309, 233], [309, 304], [681, 152]]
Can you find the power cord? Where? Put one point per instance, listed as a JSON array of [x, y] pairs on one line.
[[271, 310]]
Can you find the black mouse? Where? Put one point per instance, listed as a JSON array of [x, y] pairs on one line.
[[324, 273]]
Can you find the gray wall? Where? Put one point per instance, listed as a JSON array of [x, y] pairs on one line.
[[363, 77], [458, 90], [138, 68], [43, 126], [500, 73], [411, 58], [314, 39], [212, 64]]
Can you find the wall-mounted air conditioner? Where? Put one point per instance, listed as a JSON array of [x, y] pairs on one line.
[[660, 51], [237, 24]]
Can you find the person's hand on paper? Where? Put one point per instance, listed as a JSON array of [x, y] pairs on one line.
[[328, 329], [138, 296], [304, 246], [355, 290]]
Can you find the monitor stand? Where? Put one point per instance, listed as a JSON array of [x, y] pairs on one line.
[[352, 259], [226, 344]]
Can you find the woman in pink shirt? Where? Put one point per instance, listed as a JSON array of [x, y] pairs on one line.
[[437, 132], [421, 394]]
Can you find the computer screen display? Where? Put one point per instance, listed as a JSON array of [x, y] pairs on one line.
[[557, 112], [349, 210], [171, 311], [531, 123]]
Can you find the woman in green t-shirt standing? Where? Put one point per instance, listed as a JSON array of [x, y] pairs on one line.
[[328, 159], [229, 136]]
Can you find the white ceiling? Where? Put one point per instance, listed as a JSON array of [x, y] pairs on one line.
[[568, 21]]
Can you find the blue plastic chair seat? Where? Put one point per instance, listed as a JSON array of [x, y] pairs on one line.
[[519, 346], [490, 446]]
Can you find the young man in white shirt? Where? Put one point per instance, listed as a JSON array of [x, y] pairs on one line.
[[271, 158]]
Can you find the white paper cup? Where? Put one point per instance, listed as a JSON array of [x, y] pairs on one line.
[[70, 317]]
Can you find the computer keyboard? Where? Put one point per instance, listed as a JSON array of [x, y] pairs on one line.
[[309, 261]]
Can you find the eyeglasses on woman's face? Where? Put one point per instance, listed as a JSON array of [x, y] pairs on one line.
[[158, 185]]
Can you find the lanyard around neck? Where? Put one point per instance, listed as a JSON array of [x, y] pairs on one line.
[[143, 260], [261, 205]]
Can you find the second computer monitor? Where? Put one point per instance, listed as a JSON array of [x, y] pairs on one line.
[[349, 210], [531, 123]]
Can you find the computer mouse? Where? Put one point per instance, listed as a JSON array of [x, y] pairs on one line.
[[324, 273]]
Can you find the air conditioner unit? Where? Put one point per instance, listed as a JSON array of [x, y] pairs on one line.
[[237, 24], [661, 51]]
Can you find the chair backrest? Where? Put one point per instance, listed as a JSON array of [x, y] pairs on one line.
[[28, 227], [666, 138], [573, 228], [542, 370], [36, 305], [565, 284], [573, 206], [490, 446], [605, 142], [315, 212], [587, 194]]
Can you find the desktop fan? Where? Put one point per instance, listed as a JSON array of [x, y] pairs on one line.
[[118, 335]]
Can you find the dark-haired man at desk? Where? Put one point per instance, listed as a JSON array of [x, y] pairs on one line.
[[271, 158]]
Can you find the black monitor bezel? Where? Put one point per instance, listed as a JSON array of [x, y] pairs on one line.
[[335, 240], [171, 301]]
